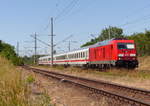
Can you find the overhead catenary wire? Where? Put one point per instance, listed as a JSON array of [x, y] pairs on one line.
[[133, 13], [135, 21], [67, 9], [42, 41], [64, 40], [138, 10]]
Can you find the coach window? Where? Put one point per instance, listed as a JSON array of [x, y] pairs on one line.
[[83, 54], [70, 56], [86, 54], [79, 54]]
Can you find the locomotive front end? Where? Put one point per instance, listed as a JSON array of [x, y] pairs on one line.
[[126, 55]]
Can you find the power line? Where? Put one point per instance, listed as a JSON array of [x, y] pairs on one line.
[[133, 13], [67, 9], [138, 10], [69, 44], [41, 41], [135, 21], [135, 25], [64, 40]]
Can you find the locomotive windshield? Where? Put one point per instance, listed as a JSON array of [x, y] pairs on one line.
[[126, 46]]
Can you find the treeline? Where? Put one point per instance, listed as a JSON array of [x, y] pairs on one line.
[[142, 40], [8, 51], [30, 60]]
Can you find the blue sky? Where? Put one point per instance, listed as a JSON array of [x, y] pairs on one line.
[[21, 18]]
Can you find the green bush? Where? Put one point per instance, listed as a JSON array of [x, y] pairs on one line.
[[30, 79], [8, 52]]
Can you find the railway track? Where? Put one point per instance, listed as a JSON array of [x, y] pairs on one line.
[[120, 93]]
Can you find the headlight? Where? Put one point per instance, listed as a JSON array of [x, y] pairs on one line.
[[120, 55], [132, 54]]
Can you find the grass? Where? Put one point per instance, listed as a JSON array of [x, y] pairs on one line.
[[14, 90], [138, 73]]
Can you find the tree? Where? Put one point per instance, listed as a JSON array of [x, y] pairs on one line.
[[111, 32], [107, 33], [8, 52], [142, 41]]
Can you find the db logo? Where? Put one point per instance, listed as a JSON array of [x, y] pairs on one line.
[[126, 54]]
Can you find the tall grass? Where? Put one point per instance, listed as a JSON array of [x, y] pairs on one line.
[[14, 90]]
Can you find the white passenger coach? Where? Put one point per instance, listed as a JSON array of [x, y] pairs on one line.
[[77, 57]]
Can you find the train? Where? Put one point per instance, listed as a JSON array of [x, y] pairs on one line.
[[115, 52]]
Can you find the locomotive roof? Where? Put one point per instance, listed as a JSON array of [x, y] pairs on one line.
[[105, 42], [102, 43]]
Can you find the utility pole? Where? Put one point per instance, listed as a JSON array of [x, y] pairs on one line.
[[52, 41], [35, 47], [18, 48], [109, 31]]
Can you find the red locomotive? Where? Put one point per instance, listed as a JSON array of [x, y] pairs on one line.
[[116, 52]]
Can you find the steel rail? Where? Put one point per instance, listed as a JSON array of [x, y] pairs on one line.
[[144, 91], [125, 99]]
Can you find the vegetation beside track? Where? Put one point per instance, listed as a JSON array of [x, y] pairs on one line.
[[15, 90], [8, 51]]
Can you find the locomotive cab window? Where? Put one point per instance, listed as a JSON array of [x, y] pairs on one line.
[[125, 46]]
